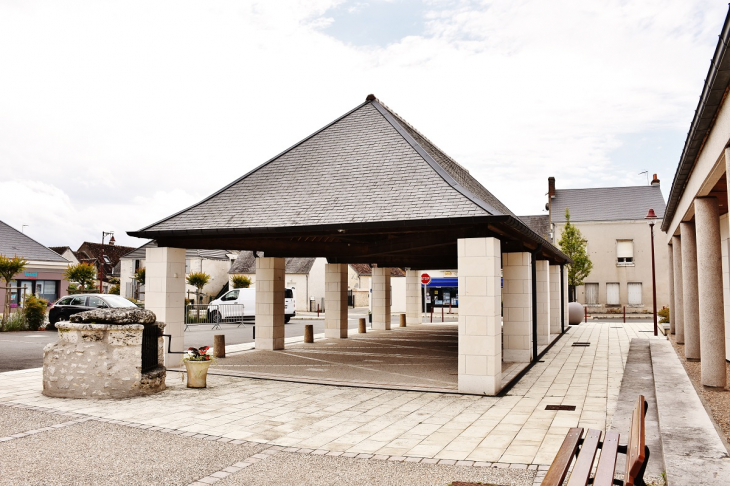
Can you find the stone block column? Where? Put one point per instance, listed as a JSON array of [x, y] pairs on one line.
[[566, 299], [554, 280], [517, 301], [165, 295], [335, 296], [270, 303], [413, 297], [670, 266], [480, 334], [381, 298], [542, 274], [711, 304], [678, 293], [690, 299]]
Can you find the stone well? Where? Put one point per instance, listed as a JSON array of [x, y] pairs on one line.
[[101, 359]]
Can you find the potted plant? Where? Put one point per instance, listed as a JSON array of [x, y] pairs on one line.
[[197, 361]]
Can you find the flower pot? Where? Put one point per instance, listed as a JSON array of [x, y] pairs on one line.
[[197, 373]]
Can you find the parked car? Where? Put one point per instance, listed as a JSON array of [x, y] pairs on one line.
[[241, 303], [67, 306]]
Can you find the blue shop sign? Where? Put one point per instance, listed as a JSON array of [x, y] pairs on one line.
[[31, 274]]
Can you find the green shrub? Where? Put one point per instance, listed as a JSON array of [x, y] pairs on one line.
[[35, 312], [664, 314], [16, 322], [114, 290], [241, 282]]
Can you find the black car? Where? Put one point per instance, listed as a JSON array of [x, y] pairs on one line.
[[67, 306]]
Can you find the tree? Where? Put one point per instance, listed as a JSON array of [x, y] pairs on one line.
[[573, 244], [9, 267], [83, 274], [140, 275], [241, 282], [198, 280]]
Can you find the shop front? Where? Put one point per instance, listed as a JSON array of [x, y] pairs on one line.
[[46, 285], [442, 292]]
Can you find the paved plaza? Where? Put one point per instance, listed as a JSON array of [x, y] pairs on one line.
[[512, 431]]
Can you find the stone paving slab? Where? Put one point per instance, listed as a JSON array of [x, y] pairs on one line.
[[512, 429]]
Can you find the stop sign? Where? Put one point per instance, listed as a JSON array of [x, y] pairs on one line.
[[425, 279]]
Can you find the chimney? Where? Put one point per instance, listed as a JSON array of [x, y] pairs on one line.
[[655, 181], [112, 241], [551, 187]]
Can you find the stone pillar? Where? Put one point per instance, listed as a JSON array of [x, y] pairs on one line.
[[711, 304], [543, 301], [566, 299], [670, 266], [689, 289], [381, 298], [554, 280], [335, 296], [480, 336], [165, 296], [678, 292], [517, 301], [270, 303], [413, 297]]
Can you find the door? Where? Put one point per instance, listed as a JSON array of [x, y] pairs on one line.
[[612, 290], [591, 293], [635, 297]]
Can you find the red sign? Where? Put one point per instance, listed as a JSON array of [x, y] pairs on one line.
[[425, 279]]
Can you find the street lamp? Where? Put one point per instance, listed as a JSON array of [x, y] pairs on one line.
[[651, 217], [104, 234]]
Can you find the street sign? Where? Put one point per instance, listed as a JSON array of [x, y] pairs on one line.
[[425, 279]]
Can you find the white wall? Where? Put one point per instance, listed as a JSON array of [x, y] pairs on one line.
[[398, 294]]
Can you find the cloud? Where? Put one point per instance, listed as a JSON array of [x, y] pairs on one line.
[[116, 115]]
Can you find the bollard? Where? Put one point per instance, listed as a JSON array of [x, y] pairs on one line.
[[361, 326], [308, 333], [219, 346], [624, 314], [442, 313], [432, 313], [402, 320], [318, 311], [586, 312]]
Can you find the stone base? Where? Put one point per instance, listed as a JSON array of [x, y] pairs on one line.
[[100, 361]]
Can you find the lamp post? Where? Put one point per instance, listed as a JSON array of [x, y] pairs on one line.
[[104, 234], [651, 217]]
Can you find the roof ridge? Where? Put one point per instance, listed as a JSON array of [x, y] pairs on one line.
[[603, 187], [32, 239]]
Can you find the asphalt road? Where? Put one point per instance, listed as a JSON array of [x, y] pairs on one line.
[[23, 350]]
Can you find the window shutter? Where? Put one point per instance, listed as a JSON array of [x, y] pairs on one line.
[[625, 249]]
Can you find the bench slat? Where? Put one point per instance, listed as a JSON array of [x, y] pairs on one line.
[[559, 468], [607, 462], [635, 448], [584, 463]]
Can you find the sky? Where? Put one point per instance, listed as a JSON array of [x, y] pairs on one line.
[[114, 115]]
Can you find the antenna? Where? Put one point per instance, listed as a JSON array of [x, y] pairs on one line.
[[647, 176], [22, 229]]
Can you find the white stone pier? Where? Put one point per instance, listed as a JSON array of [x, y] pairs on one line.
[[270, 303], [165, 296], [381, 298], [517, 301], [335, 295]]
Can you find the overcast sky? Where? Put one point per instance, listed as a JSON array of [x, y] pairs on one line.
[[114, 115]]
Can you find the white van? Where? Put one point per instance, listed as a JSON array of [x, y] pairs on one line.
[[239, 303]]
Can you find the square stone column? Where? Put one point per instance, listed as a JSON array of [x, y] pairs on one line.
[[554, 280], [413, 297], [711, 304], [566, 298], [381, 298], [480, 334], [165, 296], [270, 303], [670, 266], [517, 301], [542, 272], [678, 293], [335, 296], [690, 299]]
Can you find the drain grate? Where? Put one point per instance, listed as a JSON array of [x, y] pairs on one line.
[[578, 343], [565, 408]]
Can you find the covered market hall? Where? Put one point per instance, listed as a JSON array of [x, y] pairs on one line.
[[359, 190]]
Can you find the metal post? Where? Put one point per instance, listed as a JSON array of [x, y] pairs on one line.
[[653, 276], [442, 312], [624, 314]]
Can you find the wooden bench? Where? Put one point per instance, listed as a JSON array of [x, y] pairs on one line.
[[637, 455]]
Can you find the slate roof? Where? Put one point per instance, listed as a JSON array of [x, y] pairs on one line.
[[15, 243], [367, 269], [93, 253], [607, 203], [141, 253], [371, 153], [246, 263], [61, 249], [540, 224]]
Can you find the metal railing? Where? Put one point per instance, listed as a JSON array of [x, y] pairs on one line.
[[215, 314]]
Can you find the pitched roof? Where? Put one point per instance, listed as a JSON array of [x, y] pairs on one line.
[[141, 253], [15, 243], [367, 269], [351, 171], [94, 253], [540, 224], [61, 249], [246, 263], [607, 203]]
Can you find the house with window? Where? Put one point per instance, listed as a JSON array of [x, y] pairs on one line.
[[43, 274], [612, 220]]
